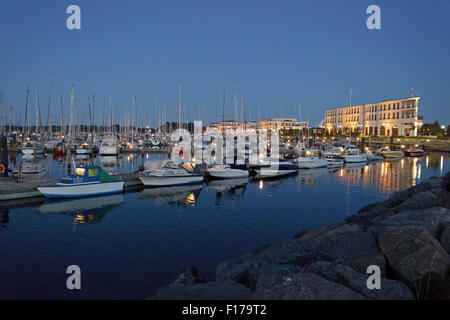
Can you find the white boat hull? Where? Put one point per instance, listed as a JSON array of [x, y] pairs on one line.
[[268, 173], [392, 154], [311, 163], [228, 174], [105, 150], [83, 151], [81, 190], [355, 158], [157, 181]]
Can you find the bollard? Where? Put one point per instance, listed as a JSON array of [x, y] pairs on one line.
[[3, 156]]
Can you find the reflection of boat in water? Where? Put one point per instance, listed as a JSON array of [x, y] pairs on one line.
[[312, 173], [55, 206], [227, 184], [108, 163], [355, 165], [273, 168], [177, 195], [82, 156]]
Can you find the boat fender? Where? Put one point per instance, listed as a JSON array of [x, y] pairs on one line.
[[2, 168]]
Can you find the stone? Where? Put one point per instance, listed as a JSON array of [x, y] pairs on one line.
[[299, 234], [301, 286], [347, 276], [358, 250], [330, 235], [416, 258], [445, 238], [187, 277], [433, 219], [292, 251], [214, 290]]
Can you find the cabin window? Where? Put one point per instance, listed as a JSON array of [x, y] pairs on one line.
[[80, 171], [93, 172]]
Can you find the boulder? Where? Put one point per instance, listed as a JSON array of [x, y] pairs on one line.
[[416, 258], [301, 286], [422, 200], [214, 290], [332, 234], [299, 234], [347, 276], [433, 219], [187, 277], [358, 250], [292, 251], [246, 270], [445, 238]]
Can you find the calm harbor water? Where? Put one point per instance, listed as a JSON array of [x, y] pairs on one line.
[[130, 244]]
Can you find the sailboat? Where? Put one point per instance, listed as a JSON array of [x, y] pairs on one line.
[[109, 146]]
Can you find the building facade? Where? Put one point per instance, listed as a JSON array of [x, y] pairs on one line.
[[268, 124], [386, 118]]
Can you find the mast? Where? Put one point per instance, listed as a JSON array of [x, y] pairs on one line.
[[26, 110], [49, 119], [38, 113], [179, 105], [62, 119], [89, 109]]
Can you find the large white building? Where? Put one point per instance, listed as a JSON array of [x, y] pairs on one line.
[[386, 118]]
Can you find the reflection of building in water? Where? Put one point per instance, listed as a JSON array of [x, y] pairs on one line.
[[386, 176]]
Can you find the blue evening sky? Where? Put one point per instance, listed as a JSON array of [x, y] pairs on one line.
[[278, 52]]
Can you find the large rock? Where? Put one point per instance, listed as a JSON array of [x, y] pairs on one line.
[[433, 219], [358, 250], [246, 270], [390, 289], [332, 233], [445, 238], [416, 258], [204, 291], [301, 286]]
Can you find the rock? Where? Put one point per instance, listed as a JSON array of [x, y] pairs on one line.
[[358, 250], [347, 276], [214, 290], [444, 200], [320, 230], [301, 286], [246, 270], [299, 234], [445, 238], [422, 200], [293, 251], [433, 219], [187, 277], [416, 258], [445, 181], [332, 234]]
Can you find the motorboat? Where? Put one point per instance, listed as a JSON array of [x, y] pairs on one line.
[[224, 171], [30, 165], [311, 162], [273, 168], [33, 147], [414, 152], [84, 148], [354, 155], [109, 146], [334, 161], [87, 181], [373, 156], [392, 154], [172, 174]]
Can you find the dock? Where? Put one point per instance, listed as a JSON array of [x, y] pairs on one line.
[[11, 189]]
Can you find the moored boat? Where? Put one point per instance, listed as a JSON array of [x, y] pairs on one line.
[[392, 154], [87, 181], [172, 174], [224, 171], [273, 168], [415, 152], [311, 162]]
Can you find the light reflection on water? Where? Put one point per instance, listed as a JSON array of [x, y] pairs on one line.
[[129, 244]]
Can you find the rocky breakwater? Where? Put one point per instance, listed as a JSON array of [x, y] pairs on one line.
[[407, 237]]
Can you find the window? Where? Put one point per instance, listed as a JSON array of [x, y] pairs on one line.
[[93, 172]]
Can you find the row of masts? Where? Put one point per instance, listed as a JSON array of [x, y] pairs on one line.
[[131, 121]]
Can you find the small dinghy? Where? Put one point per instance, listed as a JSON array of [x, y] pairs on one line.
[[87, 181]]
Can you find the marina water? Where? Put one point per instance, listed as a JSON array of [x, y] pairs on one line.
[[128, 245]]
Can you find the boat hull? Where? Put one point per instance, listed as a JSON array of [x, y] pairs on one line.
[[81, 190], [155, 181], [392, 154], [312, 164], [228, 174], [269, 173], [354, 158]]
